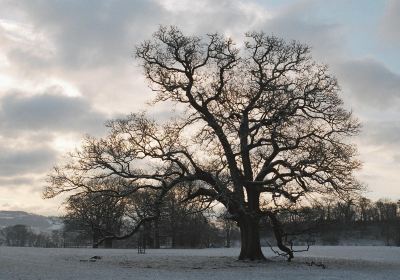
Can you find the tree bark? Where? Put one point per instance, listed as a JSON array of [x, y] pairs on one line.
[[250, 238]]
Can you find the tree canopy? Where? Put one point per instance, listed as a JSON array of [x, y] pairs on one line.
[[263, 128]]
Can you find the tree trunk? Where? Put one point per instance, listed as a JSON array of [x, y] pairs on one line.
[[108, 243], [250, 239], [228, 234], [156, 234], [94, 240], [279, 236], [173, 238]]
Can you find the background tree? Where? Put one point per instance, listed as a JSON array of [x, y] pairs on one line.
[[187, 222], [97, 212], [228, 227], [263, 129], [387, 211], [18, 235]]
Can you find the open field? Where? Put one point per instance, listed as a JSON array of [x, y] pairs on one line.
[[341, 263]]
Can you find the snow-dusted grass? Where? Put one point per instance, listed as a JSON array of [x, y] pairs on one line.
[[341, 262]]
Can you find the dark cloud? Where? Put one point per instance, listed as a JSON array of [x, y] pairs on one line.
[[94, 32], [93, 41], [49, 111], [17, 162], [299, 22], [205, 17], [370, 83], [103, 33]]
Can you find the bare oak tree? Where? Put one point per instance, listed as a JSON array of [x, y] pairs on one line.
[[263, 129]]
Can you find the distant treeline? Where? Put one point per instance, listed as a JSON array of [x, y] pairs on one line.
[[23, 236], [180, 225], [357, 221]]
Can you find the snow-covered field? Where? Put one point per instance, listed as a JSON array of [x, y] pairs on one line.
[[341, 263]]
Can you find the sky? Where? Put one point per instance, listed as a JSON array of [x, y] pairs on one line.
[[67, 66]]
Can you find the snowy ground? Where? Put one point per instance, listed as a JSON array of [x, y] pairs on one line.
[[341, 263]]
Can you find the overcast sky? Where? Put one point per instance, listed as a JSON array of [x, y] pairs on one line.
[[66, 67]]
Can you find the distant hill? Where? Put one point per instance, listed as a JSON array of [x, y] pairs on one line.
[[36, 222]]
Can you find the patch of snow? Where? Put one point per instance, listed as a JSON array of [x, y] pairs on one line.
[[353, 262]]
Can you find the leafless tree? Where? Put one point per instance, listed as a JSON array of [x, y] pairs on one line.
[[263, 129], [18, 235], [98, 213]]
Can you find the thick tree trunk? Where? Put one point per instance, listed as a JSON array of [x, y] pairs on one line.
[[250, 239]]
